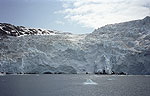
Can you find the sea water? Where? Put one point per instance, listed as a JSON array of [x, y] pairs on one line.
[[74, 85]]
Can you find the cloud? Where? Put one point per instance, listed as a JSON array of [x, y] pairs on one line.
[[59, 22], [97, 13], [65, 5]]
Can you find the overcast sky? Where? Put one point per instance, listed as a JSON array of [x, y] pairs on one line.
[[76, 16]]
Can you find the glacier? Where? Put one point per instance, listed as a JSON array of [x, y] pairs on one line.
[[114, 48]]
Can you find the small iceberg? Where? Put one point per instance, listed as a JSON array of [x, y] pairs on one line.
[[37, 75], [111, 79], [2, 74], [89, 82]]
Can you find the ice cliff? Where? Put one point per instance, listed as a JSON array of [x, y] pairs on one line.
[[122, 47]]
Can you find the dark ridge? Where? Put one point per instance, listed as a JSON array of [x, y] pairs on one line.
[[147, 17], [11, 30]]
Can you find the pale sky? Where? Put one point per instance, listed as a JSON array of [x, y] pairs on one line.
[[76, 16]]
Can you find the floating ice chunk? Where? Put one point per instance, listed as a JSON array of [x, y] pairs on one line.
[[147, 75], [89, 82], [111, 79], [14, 74], [2, 74], [37, 75]]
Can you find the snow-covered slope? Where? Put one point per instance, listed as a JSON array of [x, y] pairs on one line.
[[123, 47]]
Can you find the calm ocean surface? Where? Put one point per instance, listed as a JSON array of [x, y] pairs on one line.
[[74, 85]]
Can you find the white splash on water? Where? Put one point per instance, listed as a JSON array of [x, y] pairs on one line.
[[89, 82]]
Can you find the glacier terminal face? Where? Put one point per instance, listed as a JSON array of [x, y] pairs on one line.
[[116, 48]]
